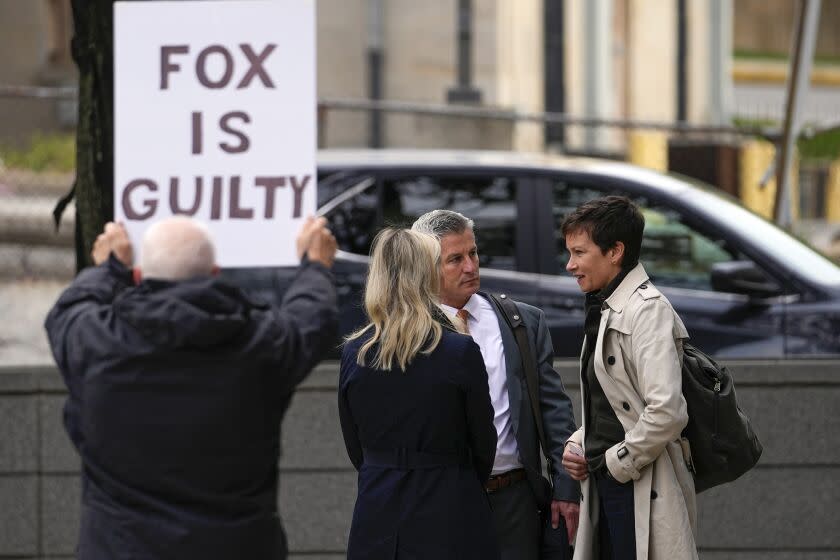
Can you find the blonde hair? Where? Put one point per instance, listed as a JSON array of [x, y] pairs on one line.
[[400, 296]]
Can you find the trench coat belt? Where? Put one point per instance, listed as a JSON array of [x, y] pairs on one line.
[[403, 458]]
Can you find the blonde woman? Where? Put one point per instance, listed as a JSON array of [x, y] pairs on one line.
[[416, 416]]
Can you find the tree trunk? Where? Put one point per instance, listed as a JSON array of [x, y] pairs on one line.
[[92, 48]]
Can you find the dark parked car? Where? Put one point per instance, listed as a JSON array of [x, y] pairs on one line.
[[744, 287]]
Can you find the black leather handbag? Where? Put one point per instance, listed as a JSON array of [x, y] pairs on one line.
[[555, 542], [722, 442]]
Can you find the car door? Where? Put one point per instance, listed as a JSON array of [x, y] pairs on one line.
[[678, 252]]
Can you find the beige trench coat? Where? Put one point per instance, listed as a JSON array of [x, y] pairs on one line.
[[637, 362]]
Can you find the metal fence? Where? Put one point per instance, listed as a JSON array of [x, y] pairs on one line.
[[31, 246]]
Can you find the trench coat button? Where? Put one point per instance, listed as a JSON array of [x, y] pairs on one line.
[[516, 317], [503, 296], [653, 494], [611, 360], [625, 405], [643, 287]]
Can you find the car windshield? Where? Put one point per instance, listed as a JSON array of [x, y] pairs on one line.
[[773, 240]]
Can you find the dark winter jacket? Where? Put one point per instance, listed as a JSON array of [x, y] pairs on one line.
[[177, 391]]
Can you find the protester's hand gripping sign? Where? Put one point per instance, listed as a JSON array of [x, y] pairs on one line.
[[215, 112]]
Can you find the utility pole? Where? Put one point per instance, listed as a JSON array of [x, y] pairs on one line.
[[799, 80]]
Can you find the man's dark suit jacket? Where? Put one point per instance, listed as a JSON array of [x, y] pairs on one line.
[[176, 393], [556, 407]]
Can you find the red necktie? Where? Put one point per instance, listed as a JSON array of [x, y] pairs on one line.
[[463, 315]]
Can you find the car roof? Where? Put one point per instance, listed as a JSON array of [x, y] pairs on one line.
[[340, 159], [693, 194]]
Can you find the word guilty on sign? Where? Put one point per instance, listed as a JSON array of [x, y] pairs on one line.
[[141, 198]]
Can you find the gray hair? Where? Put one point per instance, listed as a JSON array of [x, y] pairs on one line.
[[440, 223], [177, 248]]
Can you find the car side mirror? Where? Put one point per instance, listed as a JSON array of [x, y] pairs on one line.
[[742, 277]]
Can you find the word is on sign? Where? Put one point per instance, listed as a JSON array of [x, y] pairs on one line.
[[216, 120]]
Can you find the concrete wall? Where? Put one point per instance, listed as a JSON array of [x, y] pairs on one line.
[[341, 62], [786, 508], [24, 50], [419, 64]]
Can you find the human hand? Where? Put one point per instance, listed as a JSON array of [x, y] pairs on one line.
[[113, 239], [570, 512], [574, 462], [316, 241]]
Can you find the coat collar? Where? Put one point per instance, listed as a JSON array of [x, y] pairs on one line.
[[623, 291]]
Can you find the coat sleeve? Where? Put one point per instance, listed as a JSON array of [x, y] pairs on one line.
[[348, 426], [657, 362], [557, 412], [479, 410], [304, 327], [71, 319]]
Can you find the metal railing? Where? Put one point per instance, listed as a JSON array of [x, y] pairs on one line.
[[26, 224]]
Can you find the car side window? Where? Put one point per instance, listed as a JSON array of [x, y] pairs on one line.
[[355, 221], [674, 253], [489, 201], [677, 255]]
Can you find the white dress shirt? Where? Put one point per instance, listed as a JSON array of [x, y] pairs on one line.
[[484, 329]]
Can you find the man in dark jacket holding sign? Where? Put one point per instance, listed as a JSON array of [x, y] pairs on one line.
[[177, 387]]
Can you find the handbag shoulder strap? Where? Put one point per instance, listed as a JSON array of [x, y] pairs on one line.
[[529, 365]]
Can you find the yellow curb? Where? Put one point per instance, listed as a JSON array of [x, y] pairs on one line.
[[776, 72]]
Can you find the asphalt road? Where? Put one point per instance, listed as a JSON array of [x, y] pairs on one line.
[[821, 104]]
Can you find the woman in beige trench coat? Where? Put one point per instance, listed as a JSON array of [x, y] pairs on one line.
[[637, 363]]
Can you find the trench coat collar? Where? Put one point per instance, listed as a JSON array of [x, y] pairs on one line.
[[619, 298]]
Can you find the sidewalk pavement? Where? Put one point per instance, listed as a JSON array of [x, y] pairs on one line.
[[23, 307]]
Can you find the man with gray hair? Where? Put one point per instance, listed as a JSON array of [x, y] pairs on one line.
[[176, 249], [516, 488], [177, 386]]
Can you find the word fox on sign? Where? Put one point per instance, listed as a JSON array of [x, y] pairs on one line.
[[255, 65], [216, 120]]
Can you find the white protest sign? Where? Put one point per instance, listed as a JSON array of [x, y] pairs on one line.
[[215, 118]]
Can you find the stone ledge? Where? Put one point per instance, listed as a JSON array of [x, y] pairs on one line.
[[800, 373]]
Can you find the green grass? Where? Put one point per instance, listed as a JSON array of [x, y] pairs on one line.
[[44, 152], [742, 122], [821, 59], [819, 148], [824, 146]]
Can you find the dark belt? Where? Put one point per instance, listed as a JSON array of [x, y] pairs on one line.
[[499, 481], [402, 458]]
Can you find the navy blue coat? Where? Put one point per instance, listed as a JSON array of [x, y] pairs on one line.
[[423, 442], [176, 394]]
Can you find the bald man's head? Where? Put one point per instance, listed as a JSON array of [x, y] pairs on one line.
[[177, 248]]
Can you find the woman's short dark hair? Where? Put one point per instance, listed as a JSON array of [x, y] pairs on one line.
[[608, 220]]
